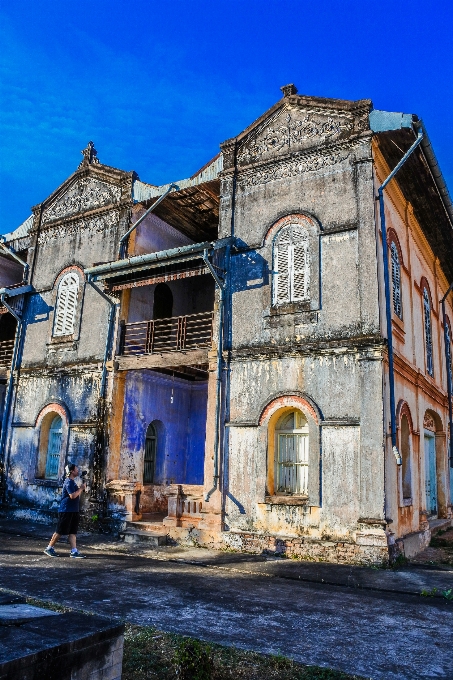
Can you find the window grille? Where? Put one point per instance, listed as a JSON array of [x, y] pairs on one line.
[[428, 333], [396, 278], [291, 265], [292, 455], [149, 463], [54, 448], [66, 305]]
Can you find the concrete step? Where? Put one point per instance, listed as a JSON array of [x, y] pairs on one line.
[[153, 527], [154, 540], [436, 525]]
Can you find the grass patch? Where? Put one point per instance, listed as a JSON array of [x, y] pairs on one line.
[[150, 654]]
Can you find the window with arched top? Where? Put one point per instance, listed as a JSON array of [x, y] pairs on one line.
[[54, 447], [406, 457], [291, 445], [149, 462], [66, 306], [428, 332], [291, 265], [448, 341], [396, 280]]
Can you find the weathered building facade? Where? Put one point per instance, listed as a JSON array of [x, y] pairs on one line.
[[217, 352]]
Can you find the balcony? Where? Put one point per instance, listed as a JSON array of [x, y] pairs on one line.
[[6, 353], [175, 334]]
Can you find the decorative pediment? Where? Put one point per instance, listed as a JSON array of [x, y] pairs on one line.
[[295, 128], [85, 193]]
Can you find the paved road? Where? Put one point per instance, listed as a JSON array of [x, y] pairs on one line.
[[376, 634]]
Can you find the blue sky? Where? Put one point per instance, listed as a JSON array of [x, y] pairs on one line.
[[158, 85]]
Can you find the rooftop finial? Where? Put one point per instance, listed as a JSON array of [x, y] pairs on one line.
[[288, 90], [89, 155]]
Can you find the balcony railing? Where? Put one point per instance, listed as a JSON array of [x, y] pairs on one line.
[[6, 353], [166, 335]]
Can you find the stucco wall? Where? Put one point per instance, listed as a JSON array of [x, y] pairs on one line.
[[178, 407]]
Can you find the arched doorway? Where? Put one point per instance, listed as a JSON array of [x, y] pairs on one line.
[[291, 445], [163, 302], [149, 462], [429, 437]]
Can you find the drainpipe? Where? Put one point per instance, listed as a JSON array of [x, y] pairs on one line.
[[388, 296], [123, 239], [449, 369], [8, 396], [220, 285], [11, 252], [110, 325]]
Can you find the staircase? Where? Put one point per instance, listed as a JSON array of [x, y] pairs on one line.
[[150, 531]]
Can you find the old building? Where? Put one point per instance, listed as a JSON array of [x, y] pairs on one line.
[[257, 357]]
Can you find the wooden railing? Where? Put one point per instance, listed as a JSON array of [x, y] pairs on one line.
[[166, 335], [6, 353]]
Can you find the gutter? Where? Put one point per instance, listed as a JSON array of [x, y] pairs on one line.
[[119, 266], [388, 310], [448, 364]]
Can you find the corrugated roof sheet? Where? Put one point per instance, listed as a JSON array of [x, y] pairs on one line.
[[21, 231], [142, 191]]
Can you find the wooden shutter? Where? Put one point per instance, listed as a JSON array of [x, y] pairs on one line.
[[282, 267], [396, 279], [66, 305], [300, 270], [428, 333]]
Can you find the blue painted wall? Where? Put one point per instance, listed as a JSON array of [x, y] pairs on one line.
[[180, 424]]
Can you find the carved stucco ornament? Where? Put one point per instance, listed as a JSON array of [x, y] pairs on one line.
[[93, 225], [89, 155], [295, 130], [84, 194]]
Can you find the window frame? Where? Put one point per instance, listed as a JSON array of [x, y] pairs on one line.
[[427, 324], [68, 329], [396, 284], [302, 434], [289, 233]]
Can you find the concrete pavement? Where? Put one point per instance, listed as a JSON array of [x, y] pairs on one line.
[[369, 623]]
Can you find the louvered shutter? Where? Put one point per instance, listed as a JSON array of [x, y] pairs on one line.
[[282, 267], [300, 270], [428, 333], [291, 265], [66, 305], [396, 279]]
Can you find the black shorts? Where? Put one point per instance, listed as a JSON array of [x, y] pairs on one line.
[[68, 523]]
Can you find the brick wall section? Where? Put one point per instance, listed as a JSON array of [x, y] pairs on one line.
[[340, 552]]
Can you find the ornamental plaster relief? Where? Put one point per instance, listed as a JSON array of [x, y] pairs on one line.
[[85, 194], [295, 130], [93, 225]]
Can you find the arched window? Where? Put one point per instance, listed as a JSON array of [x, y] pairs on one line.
[[66, 305], [149, 463], [54, 448], [291, 446], [406, 457], [291, 265], [428, 333], [396, 279], [449, 354]]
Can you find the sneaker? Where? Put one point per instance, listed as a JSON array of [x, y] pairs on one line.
[[77, 555], [50, 552]]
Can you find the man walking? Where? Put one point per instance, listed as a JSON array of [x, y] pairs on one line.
[[69, 513]]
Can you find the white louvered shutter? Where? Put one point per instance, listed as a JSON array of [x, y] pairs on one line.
[[300, 269], [396, 279], [66, 305], [282, 267]]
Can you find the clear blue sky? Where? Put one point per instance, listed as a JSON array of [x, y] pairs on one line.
[[158, 85]]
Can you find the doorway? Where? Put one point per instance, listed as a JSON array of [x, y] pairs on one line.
[[430, 473]]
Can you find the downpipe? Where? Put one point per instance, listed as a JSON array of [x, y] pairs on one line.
[[8, 397], [388, 312], [220, 285], [123, 240], [448, 365]]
